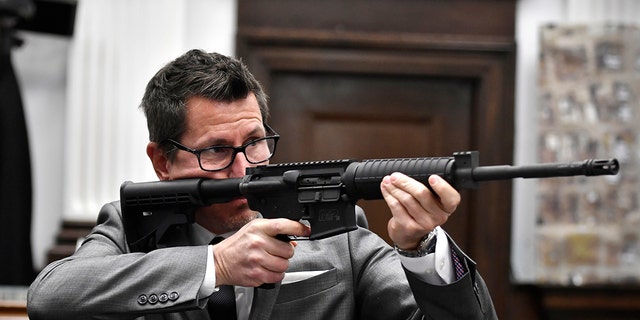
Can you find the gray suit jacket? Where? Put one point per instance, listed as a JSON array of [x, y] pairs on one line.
[[363, 279]]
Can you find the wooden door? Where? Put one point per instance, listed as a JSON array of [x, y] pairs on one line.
[[382, 79], [333, 115]]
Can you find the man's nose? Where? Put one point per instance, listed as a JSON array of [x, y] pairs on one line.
[[239, 166]]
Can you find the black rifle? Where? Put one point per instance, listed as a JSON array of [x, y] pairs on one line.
[[322, 192]]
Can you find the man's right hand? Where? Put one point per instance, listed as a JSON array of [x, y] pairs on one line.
[[253, 255]]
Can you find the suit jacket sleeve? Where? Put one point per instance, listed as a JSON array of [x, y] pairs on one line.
[[89, 284], [466, 298], [383, 292]]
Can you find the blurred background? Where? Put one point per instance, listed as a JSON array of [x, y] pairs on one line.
[[521, 81]]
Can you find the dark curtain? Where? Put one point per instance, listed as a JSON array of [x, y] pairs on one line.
[[16, 267]]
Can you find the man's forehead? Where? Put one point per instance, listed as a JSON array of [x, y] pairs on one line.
[[208, 120], [197, 106]]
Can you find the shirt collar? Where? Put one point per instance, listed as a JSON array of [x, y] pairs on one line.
[[199, 235]]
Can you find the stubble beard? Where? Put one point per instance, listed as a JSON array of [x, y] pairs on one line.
[[225, 217]]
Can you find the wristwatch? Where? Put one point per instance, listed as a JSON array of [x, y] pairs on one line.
[[425, 246]]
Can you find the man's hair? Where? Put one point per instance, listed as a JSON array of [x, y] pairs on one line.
[[195, 74]]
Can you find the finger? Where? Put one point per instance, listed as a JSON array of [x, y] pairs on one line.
[[277, 242], [445, 201], [264, 271], [410, 221], [260, 237], [284, 226], [263, 256], [449, 197], [274, 264], [389, 192], [403, 229], [418, 202]]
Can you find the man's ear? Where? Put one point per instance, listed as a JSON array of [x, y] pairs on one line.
[[159, 160]]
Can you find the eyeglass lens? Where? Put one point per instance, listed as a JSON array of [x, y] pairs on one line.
[[217, 157]]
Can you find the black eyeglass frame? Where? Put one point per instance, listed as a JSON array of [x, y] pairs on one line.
[[272, 135]]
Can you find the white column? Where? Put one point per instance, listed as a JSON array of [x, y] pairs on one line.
[[117, 47]]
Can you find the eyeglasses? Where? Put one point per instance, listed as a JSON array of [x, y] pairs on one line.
[[216, 158]]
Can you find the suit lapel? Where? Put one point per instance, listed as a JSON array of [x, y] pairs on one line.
[[263, 302], [263, 299]]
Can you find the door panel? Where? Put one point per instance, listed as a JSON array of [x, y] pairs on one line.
[[325, 116]]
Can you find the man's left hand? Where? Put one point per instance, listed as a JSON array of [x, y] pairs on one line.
[[416, 210]]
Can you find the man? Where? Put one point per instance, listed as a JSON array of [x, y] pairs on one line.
[[207, 118]]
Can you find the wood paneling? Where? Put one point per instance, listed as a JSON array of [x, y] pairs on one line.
[[590, 303]]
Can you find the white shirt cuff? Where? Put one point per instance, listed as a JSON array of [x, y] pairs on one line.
[[209, 283], [435, 268]]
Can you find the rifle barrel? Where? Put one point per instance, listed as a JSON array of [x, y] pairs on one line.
[[591, 167]]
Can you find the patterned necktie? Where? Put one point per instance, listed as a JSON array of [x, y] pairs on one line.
[[222, 304]]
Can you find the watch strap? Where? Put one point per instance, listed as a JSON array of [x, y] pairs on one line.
[[425, 246]]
